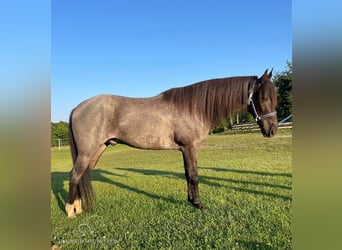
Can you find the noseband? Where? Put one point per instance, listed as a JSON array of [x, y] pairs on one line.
[[258, 117]]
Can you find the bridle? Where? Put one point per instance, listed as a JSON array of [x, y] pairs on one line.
[[256, 116]]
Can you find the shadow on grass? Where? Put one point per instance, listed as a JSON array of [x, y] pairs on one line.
[[247, 172], [99, 175], [61, 194], [214, 181], [58, 179], [57, 186]]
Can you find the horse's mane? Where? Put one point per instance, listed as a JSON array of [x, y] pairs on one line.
[[211, 100]]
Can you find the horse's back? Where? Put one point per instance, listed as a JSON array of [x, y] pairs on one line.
[[139, 122], [147, 123]]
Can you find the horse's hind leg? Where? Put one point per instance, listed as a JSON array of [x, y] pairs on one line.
[[78, 202], [74, 204], [76, 173]]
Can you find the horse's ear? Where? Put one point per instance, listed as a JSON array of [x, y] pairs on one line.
[[270, 75], [264, 76]]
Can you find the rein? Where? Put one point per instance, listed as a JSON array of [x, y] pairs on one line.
[[256, 115]]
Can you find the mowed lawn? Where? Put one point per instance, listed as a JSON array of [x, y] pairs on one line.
[[244, 180]]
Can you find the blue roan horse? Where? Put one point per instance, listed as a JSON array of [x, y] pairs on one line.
[[178, 118]]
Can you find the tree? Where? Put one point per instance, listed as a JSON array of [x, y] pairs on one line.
[[283, 82], [59, 131]]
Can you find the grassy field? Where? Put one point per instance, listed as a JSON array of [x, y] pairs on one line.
[[245, 185]]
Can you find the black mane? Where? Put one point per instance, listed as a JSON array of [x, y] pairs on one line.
[[212, 100]]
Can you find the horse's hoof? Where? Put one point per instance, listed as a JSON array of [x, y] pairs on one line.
[[78, 206], [69, 209], [72, 216], [199, 205]]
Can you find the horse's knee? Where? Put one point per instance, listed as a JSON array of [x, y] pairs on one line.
[[75, 176], [74, 180], [194, 179]]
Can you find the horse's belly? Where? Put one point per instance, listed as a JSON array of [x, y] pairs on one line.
[[150, 132]]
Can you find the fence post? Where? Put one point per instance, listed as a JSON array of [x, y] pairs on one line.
[[59, 144]]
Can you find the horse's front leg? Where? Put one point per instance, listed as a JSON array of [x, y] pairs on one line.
[[191, 174]]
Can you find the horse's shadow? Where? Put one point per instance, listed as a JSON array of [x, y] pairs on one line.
[[217, 181], [58, 180], [57, 186]]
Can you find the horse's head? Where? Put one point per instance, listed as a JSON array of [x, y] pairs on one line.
[[262, 104]]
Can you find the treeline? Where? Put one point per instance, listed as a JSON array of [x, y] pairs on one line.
[[59, 133], [282, 80]]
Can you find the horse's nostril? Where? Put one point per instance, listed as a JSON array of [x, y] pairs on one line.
[[272, 131]]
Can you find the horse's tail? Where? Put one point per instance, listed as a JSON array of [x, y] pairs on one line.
[[85, 190], [72, 143]]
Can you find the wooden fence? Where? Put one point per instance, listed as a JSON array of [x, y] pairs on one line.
[[254, 126]]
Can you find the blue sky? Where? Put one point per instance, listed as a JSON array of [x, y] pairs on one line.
[[141, 48]]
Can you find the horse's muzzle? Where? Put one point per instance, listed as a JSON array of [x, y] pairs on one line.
[[272, 131]]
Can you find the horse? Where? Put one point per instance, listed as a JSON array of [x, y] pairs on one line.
[[177, 119]]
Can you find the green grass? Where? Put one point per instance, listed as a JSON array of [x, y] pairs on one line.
[[245, 185]]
